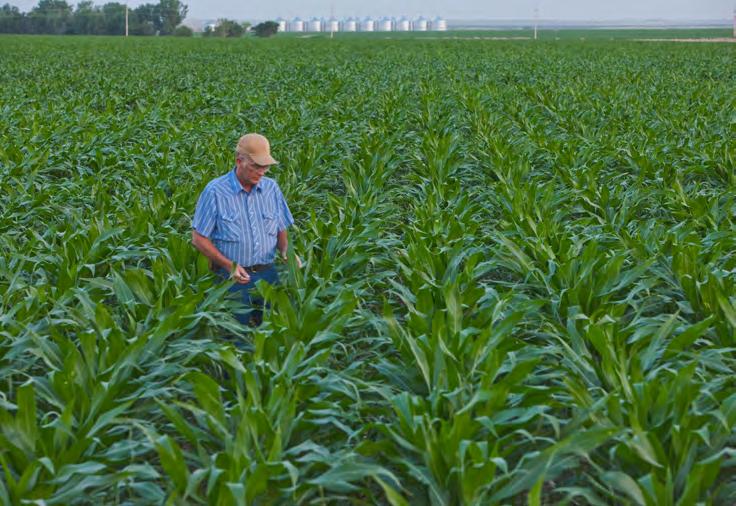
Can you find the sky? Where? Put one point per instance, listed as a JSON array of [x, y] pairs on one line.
[[563, 10]]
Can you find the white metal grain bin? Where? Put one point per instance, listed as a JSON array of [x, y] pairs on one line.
[[314, 25], [439, 24], [350, 25], [421, 24], [368, 25], [332, 25], [384, 25], [296, 25], [403, 25], [282, 24]]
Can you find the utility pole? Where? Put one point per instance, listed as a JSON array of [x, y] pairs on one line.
[[536, 21], [332, 17], [734, 21], [126, 19]]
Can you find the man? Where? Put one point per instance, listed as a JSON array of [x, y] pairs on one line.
[[240, 222]]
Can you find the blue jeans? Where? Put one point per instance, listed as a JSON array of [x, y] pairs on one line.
[[253, 314]]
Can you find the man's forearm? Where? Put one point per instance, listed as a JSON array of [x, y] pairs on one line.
[[205, 246], [282, 243]]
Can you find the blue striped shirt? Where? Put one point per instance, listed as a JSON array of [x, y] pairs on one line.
[[242, 225]]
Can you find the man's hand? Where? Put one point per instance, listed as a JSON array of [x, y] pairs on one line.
[[296, 257], [240, 275], [216, 259], [282, 245]]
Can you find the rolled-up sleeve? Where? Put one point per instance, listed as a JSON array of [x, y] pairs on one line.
[[205, 214], [284, 214]]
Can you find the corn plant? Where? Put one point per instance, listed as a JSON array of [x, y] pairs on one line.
[[518, 279]]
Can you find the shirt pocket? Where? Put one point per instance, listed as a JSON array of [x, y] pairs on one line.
[[270, 224], [228, 227]]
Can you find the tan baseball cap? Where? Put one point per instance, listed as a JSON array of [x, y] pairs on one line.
[[257, 147]]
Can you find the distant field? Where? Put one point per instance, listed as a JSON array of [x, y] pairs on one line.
[[519, 282], [647, 33], [543, 34]]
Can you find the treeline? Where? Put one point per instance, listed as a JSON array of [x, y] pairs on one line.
[[230, 28], [58, 17]]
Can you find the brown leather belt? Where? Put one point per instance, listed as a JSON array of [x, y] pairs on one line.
[[257, 268]]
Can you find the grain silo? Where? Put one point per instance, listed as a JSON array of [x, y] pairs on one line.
[[332, 25], [420, 25], [296, 25], [314, 25], [384, 25], [282, 24], [350, 25], [403, 25], [439, 24], [368, 25]]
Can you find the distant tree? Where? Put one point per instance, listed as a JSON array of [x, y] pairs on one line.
[[169, 14], [228, 28], [12, 20], [266, 29], [113, 18], [144, 20], [183, 31], [51, 16], [59, 17], [87, 19]]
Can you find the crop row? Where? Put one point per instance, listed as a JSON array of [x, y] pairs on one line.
[[519, 274]]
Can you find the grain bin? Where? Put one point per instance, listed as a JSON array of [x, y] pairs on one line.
[[439, 24], [385, 25], [282, 24], [296, 25], [332, 25], [368, 25], [314, 25], [350, 25], [420, 25], [403, 25]]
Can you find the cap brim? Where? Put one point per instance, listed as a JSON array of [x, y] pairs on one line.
[[264, 160]]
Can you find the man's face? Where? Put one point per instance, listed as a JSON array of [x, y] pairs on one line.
[[249, 171]]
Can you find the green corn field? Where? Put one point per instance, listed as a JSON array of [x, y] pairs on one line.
[[519, 281]]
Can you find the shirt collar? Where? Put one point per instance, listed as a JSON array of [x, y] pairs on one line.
[[237, 187]]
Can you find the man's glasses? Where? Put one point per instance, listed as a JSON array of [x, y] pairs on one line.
[[254, 166]]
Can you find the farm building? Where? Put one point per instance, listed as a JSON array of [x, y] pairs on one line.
[[296, 25], [367, 25], [439, 25], [403, 25], [350, 25], [314, 25], [420, 25]]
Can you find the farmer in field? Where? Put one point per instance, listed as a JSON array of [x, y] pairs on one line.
[[240, 223]]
